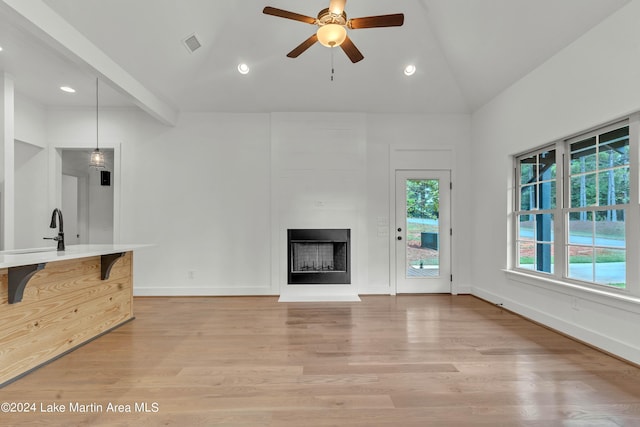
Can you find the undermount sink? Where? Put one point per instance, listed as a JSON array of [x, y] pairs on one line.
[[29, 251]]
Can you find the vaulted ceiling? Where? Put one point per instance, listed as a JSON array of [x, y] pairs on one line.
[[466, 52]]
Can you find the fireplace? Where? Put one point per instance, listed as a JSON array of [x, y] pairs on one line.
[[319, 256]]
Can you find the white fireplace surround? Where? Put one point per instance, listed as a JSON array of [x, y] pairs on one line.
[[317, 292], [316, 183]]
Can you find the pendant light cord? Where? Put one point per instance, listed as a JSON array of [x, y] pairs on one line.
[[97, 157], [97, 122]]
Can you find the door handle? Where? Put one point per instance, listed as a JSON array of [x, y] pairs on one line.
[[399, 229], [399, 237]]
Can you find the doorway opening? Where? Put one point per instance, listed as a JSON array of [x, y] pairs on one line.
[[87, 198]]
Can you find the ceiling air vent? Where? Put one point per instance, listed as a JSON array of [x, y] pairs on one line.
[[192, 43]]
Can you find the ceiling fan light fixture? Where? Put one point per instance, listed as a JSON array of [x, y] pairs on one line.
[[332, 26], [331, 35]]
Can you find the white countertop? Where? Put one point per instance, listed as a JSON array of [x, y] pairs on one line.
[[20, 257]]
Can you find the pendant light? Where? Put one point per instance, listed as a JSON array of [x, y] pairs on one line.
[[97, 156]]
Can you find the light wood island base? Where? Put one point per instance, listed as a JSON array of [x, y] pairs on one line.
[[64, 305]]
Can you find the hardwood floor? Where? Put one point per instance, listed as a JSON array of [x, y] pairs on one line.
[[386, 361]]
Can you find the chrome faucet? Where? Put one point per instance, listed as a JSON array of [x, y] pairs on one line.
[[60, 237]]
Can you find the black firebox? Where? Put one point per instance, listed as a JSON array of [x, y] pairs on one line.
[[319, 256]]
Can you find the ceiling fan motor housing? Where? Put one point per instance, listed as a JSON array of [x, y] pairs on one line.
[[326, 17]]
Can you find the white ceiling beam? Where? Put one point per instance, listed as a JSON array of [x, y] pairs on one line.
[[38, 18]]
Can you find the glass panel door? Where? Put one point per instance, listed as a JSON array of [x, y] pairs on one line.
[[423, 232]]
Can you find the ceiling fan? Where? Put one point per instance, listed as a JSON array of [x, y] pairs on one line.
[[332, 26]]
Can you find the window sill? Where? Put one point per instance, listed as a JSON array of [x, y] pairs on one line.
[[600, 296]]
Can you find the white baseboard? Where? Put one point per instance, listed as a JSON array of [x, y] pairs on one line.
[[197, 291]]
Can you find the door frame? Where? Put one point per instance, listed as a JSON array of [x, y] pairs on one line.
[[55, 179], [393, 220], [443, 283]]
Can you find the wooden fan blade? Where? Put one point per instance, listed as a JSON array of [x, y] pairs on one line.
[[395, 20], [351, 50], [303, 46], [289, 15], [337, 6]]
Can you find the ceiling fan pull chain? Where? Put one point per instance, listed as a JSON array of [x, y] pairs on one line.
[[332, 70]]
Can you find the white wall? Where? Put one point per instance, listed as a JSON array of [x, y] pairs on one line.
[[592, 81], [387, 132], [31, 222], [30, 121], [32, 216], [318, 181], [199, 192], [202, 191]]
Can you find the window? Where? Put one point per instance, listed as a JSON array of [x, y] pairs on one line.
[[571, 208], [598, 196], [537, 204]]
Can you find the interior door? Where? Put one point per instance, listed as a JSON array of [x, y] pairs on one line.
[[423, 231]]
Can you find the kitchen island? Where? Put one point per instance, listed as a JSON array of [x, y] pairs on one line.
[[52, 302]]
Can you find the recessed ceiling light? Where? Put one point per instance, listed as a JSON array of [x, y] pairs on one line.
[[0, 48], [243, 68], [409, 70], [67, 89]]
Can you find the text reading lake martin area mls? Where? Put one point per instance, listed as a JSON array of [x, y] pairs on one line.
[[71, 407]]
